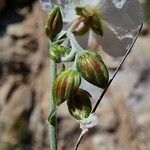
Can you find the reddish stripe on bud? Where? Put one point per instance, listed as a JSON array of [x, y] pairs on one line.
[[65, 85], [93, 69], [54, 23]]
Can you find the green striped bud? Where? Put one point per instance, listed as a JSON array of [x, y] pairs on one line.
[[93, 17], [54, 23], [93, 69], [80, 105], [56, 52], [96, 24], [65, 85], [80, 26]]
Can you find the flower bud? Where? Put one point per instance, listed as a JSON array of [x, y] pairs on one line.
[[65, 85], [57, 51], [54, 23], [80, 26], [92, 68], [80, 105], [96, 24]]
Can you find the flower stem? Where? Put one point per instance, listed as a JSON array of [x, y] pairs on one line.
[[53, 123]]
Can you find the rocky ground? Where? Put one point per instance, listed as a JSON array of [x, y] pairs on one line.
[[24, 92]]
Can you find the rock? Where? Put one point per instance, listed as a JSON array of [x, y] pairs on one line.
[[6, 89], [39, 126], [18, 102], [108, 117], [19, 31]]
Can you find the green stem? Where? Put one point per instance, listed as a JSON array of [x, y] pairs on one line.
[[53, 123]]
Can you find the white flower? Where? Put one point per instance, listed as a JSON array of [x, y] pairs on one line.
[[119, 19]]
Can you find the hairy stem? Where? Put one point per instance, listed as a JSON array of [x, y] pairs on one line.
[[53, 123]]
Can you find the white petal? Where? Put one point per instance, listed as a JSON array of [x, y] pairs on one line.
[[69, 13], [128, 17], [66, 6], [114, 43], [119, 3], [83, 3], [83, 40], [73, 42]]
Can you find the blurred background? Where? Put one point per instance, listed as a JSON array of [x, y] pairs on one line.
[[124, 114]]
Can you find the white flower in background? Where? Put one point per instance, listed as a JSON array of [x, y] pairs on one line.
[[119, 20]]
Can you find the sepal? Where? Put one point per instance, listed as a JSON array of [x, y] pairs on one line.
[[96, 24]]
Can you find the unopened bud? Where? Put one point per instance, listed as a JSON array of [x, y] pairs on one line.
[[54, 23], [65, 85], [80, 105], [80, 26], [93, 69], [57, 51], [96, 24]]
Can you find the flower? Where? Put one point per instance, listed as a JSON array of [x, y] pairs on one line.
[[119, 20]]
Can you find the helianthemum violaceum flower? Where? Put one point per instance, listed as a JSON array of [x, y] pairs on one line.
[[118, 18], [74, 25]]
